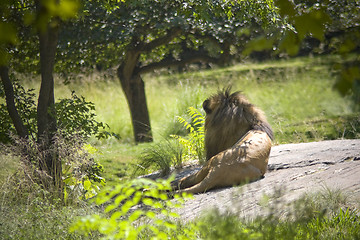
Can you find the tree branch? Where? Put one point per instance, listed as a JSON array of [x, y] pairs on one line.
[[195, 56], [161, 40], [174, 62]]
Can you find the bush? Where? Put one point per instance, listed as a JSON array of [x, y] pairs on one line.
[[81, 175], [137, 209], [26, 106], [61, 165], [74, 116]]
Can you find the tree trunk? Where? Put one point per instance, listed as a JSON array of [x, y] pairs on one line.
[[46, 120], [10, 103], [45, 111], [134, 89]]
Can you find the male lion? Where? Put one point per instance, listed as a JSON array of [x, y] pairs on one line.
[[237, 141]]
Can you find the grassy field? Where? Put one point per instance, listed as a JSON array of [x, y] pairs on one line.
[[296, 95]]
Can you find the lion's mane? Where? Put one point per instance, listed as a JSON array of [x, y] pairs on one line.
[[228, 118]]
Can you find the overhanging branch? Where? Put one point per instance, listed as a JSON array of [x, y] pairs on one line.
[[161, 40], [174, 62], [196, 56]]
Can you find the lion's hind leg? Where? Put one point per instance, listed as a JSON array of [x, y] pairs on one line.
[[194, 179], [199, 187], [226, 176]]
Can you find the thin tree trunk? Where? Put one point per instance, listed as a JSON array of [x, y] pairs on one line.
[[21, 130], [46, 120], [134, 89], [45, 110]]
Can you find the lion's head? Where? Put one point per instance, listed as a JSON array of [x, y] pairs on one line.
[[228, 118]]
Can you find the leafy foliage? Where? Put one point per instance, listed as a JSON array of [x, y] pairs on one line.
[[82, 175], [108, 29], [193, 144], [18, 42], [75, 116], [137, 209], [26, 106]]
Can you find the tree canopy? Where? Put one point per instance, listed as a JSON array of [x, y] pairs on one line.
[[165, 32], [137, 37]]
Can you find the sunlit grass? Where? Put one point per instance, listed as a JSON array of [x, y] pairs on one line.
[[297, 96]]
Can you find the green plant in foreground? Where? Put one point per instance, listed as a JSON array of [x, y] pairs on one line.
[[140, 208], [194, 143]]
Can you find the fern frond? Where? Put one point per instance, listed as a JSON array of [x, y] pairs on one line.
[[187, 125], [193, 144], [194, 113]]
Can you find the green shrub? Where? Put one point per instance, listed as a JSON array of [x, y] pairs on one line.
[[26, 106], [75, 116], [81, 174], [137, 209]]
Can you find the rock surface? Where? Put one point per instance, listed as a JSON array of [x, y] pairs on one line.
[[295, 169]]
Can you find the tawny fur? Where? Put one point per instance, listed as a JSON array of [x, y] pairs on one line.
[[237, 142]]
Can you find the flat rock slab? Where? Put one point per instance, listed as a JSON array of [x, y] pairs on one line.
[[294, 169]]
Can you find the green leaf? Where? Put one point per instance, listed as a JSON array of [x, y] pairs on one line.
[[290, 43], [150, 214], [110, 208], [286, 8], [258, 44], [148, 201], [90, 149], [312, 23], [87, 185], [347, 46], [135, 215], [7, 33], [70, 181]]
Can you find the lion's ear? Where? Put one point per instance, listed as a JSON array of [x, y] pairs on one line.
[[206, 106]]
